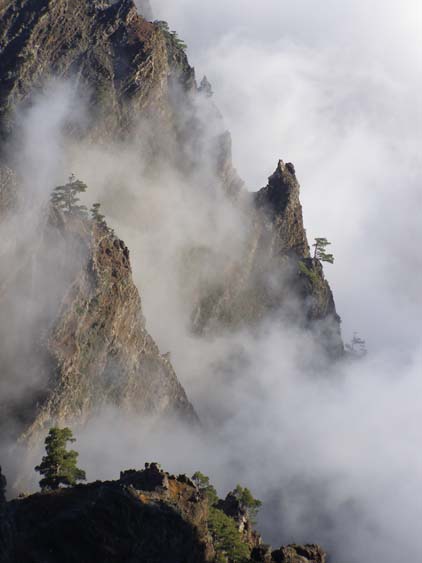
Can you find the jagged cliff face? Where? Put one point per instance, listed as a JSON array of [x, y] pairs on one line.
[[95, 348], [92, 346], [131, 75], [275, 276], [113, 55]]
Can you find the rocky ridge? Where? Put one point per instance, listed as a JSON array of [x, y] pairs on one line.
[[130, 70], [146, 516], [97, 351], [275, 275]]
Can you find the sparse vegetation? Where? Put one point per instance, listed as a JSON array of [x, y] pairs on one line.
[[204, 485], [320, 253], [59, 465], [310, 274], [357, 346], [96, 215], [171, 36], [247, 501], [227, 539], [66, 197]]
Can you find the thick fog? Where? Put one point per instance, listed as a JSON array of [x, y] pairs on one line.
[[335, 456], [334, 88]]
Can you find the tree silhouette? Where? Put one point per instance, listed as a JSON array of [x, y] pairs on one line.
[[96, 215], [357, 346], [66, 197], [206, 88], [247, 501], [59, 465], [320, 253], [3, 485], [204, 485]]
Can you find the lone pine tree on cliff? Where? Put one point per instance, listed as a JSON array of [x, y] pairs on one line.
[[66, 197], [59, 465], [320, 250]]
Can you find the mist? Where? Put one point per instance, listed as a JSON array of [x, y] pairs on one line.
[[335, 456]]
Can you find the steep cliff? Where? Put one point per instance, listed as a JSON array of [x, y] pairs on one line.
[[130, 75], [275, 276], [91, 346], [146, 516]]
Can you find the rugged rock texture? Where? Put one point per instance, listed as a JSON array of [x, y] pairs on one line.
[[275, 276], [147, 516], [299, 554], [94, 348], [131, 76], [8, 190]]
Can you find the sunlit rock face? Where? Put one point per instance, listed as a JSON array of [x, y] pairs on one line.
[[87, 336], [275, 276]]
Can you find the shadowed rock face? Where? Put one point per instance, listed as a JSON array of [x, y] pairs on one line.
[[146, 516], [299, 554]]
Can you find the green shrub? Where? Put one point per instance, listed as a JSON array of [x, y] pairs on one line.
[[227, 539]]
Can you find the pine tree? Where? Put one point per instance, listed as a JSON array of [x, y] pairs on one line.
[[320, 247], [59, 465], [227, 540], [247, 501], [3, 485], [96, 215], [204, 485], [66, 197], [357, 346]]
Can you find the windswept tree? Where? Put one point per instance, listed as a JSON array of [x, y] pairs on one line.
[[3, 485], [357, 346], [59, 465], [204, 485], [66, 197], [206, 88], [96, 215], [320, 253], [247, 501]]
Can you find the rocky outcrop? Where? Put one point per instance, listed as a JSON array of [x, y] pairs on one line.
[[299, 554], [130, 76], [111, 522], [93, 349], [115, 58], [146, 516], [275, 276]]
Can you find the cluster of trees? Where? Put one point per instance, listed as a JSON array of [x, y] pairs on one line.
[[59, 468], [66, 199], [227, 539]]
